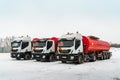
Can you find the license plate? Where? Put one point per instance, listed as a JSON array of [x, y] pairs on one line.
[[14, 55], [37, 56]]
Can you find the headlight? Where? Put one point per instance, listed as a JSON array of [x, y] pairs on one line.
[[72, 57], [59, 48], [33, 48]]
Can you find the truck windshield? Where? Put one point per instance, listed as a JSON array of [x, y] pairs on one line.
[[65, 43], [39, 44], [15, 44]]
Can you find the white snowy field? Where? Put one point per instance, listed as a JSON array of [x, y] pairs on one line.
[[11, 69]]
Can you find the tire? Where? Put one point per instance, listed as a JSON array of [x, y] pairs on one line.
[[93, 58], [109, 55], [86, 58], [106, 56], [80, 59], [103, 56], [51, 58], [27, 57], [18, 57]]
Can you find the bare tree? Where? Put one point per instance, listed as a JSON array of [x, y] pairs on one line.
[[5, 44]]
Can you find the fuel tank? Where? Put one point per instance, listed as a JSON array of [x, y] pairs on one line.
[[94, 44]]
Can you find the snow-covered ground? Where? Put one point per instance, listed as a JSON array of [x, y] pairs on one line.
[[11, 69]]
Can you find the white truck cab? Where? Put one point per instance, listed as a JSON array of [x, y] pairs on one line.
[[21, 47], [45, 49], [69, 46], [44, 46]]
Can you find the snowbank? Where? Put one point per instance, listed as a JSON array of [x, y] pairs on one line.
[[11, 69]]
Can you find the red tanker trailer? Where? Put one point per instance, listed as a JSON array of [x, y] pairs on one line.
[[78, 48], [93, 44]]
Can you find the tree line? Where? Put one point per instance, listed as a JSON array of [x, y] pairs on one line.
[[5, 44], [115, 45]]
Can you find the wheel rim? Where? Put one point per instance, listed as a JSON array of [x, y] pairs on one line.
[[79, 59], [51, 58], [27, 57], [94, 58]]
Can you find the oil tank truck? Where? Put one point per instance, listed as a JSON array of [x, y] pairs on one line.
[[77, 48], [21, 47], [45, 49]]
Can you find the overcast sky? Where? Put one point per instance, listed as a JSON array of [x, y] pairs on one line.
[[47, 18]]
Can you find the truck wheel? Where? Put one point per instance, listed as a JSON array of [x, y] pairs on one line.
[[104, 56], [93, 58], [80, 59], [101, 58], [52, 58], [27, 57], [86, 58], [18, 57], [109, 55], [63, 61]]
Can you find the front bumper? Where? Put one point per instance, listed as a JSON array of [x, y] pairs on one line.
[[40, 55], [68, 57], [14, 55]]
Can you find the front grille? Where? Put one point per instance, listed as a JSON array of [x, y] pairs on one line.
[[38, 51], [64, 51], [14, 50]]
